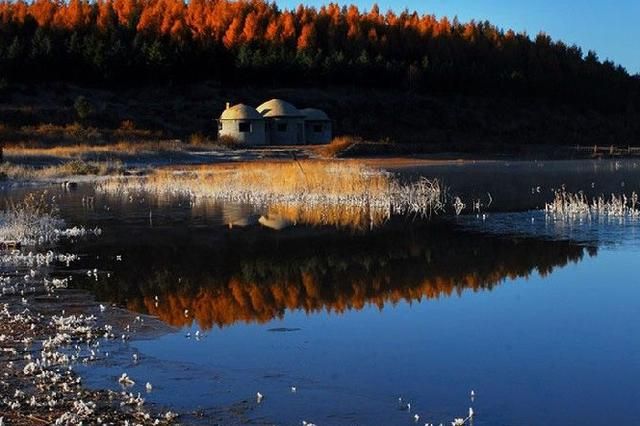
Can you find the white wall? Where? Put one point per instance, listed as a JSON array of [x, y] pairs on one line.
[[256, 136]]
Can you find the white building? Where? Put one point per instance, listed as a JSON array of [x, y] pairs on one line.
[[242, 123], [317, 126], [275, 122]]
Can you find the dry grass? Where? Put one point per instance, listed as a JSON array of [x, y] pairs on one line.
[[81, 150], [119, 150], [67, 169], [342, 193], [281, 178]]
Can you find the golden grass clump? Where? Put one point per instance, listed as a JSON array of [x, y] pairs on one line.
[[290, 179], [343, 193]]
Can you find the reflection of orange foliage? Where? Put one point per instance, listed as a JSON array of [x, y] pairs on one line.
[[255, 276], [240, 301]]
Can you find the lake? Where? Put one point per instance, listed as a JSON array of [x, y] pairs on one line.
[[538, 316]]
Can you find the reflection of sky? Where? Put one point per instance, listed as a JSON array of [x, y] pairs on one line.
[[556, 350], [598, 230]]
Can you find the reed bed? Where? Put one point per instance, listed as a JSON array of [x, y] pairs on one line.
[[66, 169], [82, 150], [317, 185], [568, 205]]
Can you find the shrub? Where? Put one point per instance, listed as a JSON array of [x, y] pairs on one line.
[[199, 139], [127, 125], [83, 107], [79, 167], [338, 145]]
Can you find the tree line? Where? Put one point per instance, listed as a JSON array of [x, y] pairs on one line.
[[120, 42]]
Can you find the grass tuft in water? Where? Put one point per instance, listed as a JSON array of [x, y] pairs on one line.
[[35, 221], [578, 206]]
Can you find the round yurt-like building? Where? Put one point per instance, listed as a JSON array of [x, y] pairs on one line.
[[284, 123], [317, 126], [242, 123]]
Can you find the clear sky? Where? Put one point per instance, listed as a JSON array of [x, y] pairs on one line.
[[610, 27]]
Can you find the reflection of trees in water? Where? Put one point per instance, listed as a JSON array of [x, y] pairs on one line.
[[345, 215], [254, 276]]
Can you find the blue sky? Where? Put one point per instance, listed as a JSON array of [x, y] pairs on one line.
[[610, 27]]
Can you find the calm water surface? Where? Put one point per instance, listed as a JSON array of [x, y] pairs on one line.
[[540, 318]]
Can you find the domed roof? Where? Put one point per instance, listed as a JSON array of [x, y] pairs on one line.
[[314, 114], [240, 112], [278, 108]]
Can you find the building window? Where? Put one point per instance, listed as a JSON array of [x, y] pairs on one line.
[[282, 127], [219, 125], [317, 128], [244, 127]]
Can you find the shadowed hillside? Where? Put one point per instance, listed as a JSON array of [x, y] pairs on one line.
[[46, 115]]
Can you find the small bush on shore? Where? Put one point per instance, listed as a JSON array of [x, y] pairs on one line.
[[83, 107], [228, 142], [338, 145], [199, 139]]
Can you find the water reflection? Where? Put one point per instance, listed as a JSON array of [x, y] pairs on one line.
[[526, 185], [255, 275]]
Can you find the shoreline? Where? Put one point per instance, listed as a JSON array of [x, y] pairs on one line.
[[52, 335], [43, 336]]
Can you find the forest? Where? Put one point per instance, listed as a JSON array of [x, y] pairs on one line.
[[123, 43]]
